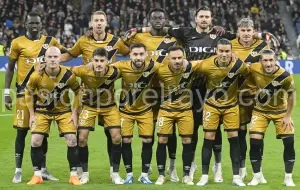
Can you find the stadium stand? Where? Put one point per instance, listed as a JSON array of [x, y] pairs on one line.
[[67, 24]]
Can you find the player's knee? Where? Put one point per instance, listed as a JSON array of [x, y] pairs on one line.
[[231, 134], [115, 136], [163, 140], [82, 141], [256, 136], [186, 140], [127, 140], [71, 140], [36, 140], [210, 135], [147, 140]]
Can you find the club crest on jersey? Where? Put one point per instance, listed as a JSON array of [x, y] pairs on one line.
[[230, 75], [254, 53], [45, 46], [213, 36], [167, 40], [275, 83], [109, 48], [61, 85], [107, 81], [146, 74], [186, 75]]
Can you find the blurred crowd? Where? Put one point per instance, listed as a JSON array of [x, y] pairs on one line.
[[62, 18]]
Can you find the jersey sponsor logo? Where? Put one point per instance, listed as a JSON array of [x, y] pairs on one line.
[[35, 60], [275, 83], [160, 52], [213, 36], [137, 85], [146, 74], [61, 85], [45, 46], [202, 50], [254, 53], [230, 75]]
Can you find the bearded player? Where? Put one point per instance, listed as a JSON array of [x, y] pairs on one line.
[[157, 45], [275, 99]]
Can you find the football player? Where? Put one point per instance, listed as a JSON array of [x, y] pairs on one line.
[[176, 79], [98, 100], [222, 72], [85, 46], [247, 49], [135, 107], [52, 104], [157, 44], [28, 52], [275, 99]]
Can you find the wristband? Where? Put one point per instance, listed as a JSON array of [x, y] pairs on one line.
[[6, 92]]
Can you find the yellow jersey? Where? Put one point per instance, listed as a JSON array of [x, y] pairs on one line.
[[136, 86], [85, 46], [52, 93], [28, 54], [98, 91], [272, 89]]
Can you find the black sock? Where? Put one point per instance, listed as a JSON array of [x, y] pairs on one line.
[[172, 143], [108, 145], [217, 147], [243, 147], [187, 158], [235, 154], [255, 154], [127, 156], [195, 138], [84, 157], [153, 134], [73, 158], [146, 156], [161, 157], [206, 155], [116, 156], [19, 147], [45, 150], [262, 146], [36, 157], [289, 154]]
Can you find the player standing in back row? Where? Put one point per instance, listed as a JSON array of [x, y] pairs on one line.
[[85, 47], [28, 52]]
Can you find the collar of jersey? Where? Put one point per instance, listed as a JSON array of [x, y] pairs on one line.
[[101, 41]]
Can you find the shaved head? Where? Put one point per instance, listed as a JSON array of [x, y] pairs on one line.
[[52, 49], [52, 57]]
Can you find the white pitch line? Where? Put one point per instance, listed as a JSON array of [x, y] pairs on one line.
[[3, 115]]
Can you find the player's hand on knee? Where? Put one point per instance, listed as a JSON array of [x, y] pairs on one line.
[[32, 122], [8, 102], [288, 123], [220, 31], [74, 119]]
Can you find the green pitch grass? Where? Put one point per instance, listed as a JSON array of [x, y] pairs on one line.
[[273, 167]]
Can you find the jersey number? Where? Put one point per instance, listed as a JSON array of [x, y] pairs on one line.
[[20, 114], [206, 115]]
